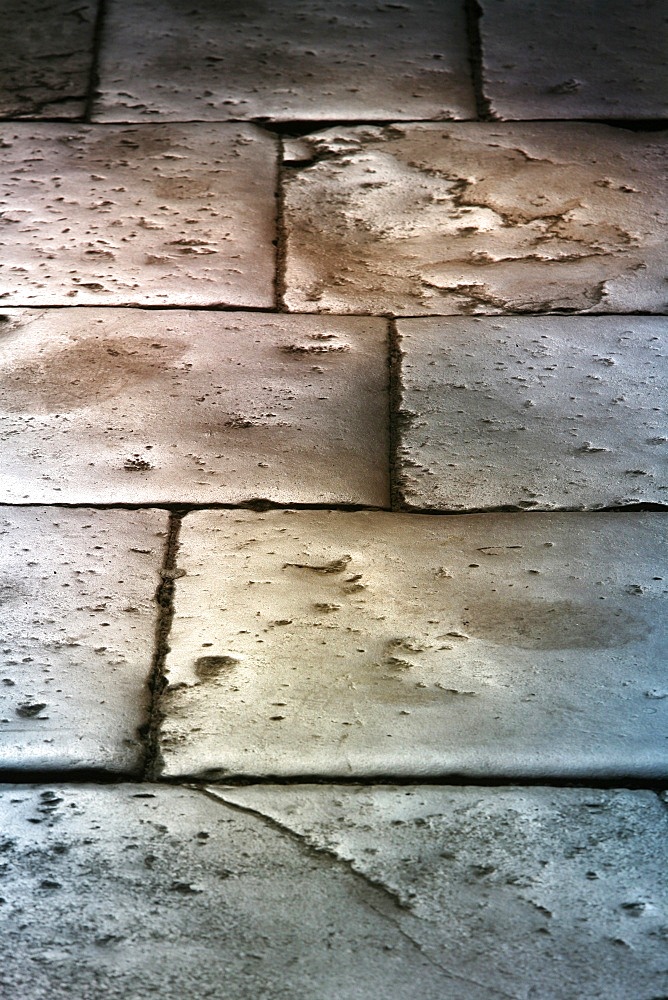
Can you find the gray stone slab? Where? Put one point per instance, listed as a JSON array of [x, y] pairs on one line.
[[78, 619], [343, 59], [323, 643], [476, 218], [46, 57], [150, 215], [532, 412], [545, 59], [153, 406]]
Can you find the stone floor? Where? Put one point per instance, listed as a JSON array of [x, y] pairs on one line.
[[333, 500]]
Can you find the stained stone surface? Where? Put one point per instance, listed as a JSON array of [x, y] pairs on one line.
[[145, 215], [302, 60], [46, 57], [541, 412], [545, 59], [78, 616], [144, 406], [476, 218], [323, 643]]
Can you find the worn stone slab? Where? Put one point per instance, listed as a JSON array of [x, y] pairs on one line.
[[532, 412], [545, 59], [146, 215], [331, 644], [343, 59], [153, 406], [476, 218], [78, 620], [46, 57]]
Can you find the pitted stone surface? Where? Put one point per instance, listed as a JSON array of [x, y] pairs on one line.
[[342, 59], [148, 406], [46, 57], [476, 218], [374, 644], [145, 215], [545, 59], [541, 412], [78, 619]]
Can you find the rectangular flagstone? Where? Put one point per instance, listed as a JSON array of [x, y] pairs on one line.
[[547, 59], [46, 57], [145, 215], [373, 644], [154, 406], [78, 618], [473, 217], [542, 412], [343, 59]]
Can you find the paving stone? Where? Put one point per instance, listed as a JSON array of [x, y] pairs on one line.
[[332, 644], [150, 215], [153, 406], [545, 59], [336, 60], [476, 218], [46, 57], [541, 412], [78, 620]]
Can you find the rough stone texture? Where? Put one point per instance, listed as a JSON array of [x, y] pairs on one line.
[[111, 405], [476, 218], [339, 59], [78, 622], [546, 59], [46, 57], [370, 644], [150, 215], [540, 412]]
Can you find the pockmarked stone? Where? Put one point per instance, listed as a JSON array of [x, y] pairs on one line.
[[46, 57], [554, 60], [145, 215], [535, 412], [476, 218], [153, 406], [343, 59], [78, 618], [370, 644]]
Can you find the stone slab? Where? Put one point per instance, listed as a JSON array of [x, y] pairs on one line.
[[153, 406], [343, 59], [532, 412], [370, 644], [78, 620], [146, 215], [46, 57], [545, 59], [476, 218]]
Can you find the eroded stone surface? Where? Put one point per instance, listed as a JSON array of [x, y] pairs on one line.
[[336, 60], [541, 412], [78, 619], [371, 644], [545, 59], [476, 218], [46, 57], [150, 215], [113, 405]]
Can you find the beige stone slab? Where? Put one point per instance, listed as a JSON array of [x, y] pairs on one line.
[[323, 643], [546, 59], [144, 215], [154, 406], [78, 619], [536, 412], [46, 57], [476, 218], [342, 59]]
